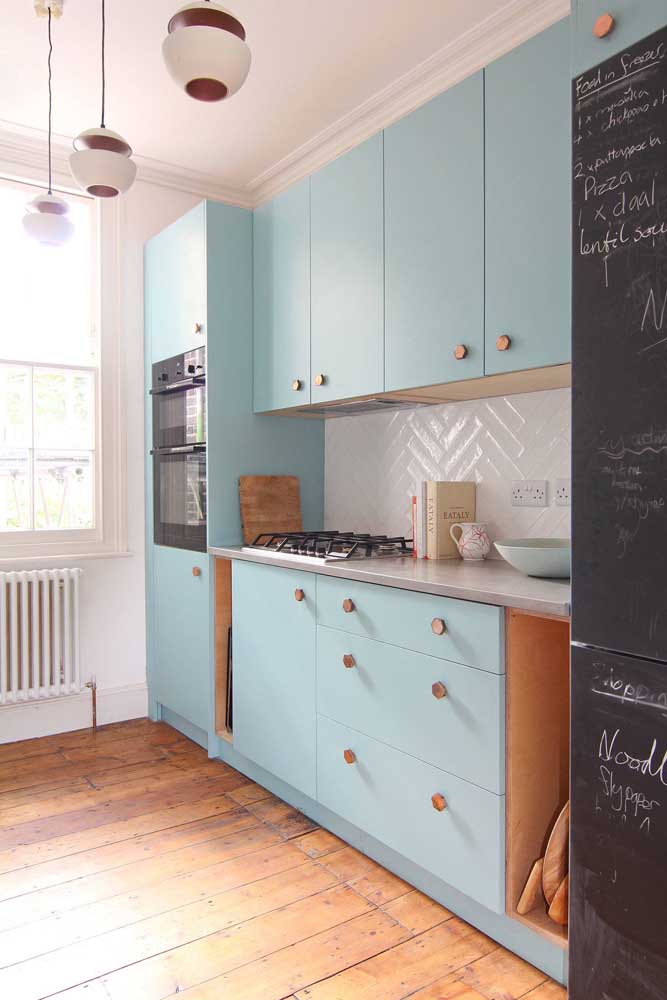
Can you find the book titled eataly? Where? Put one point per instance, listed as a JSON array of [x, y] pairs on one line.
[[446, 504]]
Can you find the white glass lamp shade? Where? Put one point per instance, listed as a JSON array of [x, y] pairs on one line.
[[101, 163], [46, 220], [206, 52]]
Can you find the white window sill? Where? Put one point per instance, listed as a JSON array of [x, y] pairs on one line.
[[52, 561]]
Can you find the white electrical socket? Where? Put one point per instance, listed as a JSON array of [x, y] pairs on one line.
[[529, 493], [563, 490]]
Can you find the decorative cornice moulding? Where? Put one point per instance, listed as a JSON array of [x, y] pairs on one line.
[[24, 148], [514, 23]]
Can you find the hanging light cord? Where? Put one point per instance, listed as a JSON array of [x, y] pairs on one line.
[[104, 75], [50, 99]]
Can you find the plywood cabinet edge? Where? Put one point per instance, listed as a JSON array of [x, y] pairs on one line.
[[222, 623]]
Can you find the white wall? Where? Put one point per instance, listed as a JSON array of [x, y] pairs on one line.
[[375, 463], [113, 620]]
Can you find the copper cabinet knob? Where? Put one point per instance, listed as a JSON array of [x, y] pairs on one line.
[[439, 802], [320, 379], [297, 384], [503, 343], [439, 690], [196, 571], [198, 328], [350, 756], [349, 661], [348, 606], [604, 25], [299, 594], [460, 352], [438, 626]]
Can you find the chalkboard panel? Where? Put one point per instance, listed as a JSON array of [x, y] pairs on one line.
[[618, 876], [619, 516]]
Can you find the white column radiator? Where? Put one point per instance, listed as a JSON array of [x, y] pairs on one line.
[[39, 635]]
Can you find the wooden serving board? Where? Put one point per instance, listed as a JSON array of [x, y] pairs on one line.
[[556, 856], [269, 503]]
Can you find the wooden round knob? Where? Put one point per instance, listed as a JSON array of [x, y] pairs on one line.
[[460, 352], [297, 384], [348, 606], [350, 756], [503, 343], [349, 661], [299, 594], [196, 571], [320, 379], [439, 802], [603, 26], [438, 626], [198, 327], [439, 690]]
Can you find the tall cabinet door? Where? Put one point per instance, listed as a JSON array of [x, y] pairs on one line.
[[434, 240], [633, 20], [180, 677], [281, 238], [528, 196], [176, 262], [347, 275], [274, 630]]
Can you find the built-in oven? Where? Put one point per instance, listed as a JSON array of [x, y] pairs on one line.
[[179, 451]]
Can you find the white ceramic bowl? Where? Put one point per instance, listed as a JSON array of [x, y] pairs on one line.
[[548, 557]]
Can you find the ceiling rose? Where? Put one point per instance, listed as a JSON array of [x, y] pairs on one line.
[[206, 51]]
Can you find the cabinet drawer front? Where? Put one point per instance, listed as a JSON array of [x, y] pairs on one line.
[[274, 645], [389, 795], [473, 633], [446, 714]]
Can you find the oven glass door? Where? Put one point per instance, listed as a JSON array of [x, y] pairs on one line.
[[180, 498], [179, 416]]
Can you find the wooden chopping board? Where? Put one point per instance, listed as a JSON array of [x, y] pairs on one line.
[[269, 503], [556, 856]]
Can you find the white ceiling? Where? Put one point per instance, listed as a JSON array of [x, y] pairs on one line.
[[314, 62]]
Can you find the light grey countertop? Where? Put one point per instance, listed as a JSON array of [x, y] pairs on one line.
[[489, 582]]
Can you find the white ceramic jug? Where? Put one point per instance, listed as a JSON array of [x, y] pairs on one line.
[[473, 541]]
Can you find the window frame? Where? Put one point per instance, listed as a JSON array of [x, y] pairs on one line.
[[109, 536]]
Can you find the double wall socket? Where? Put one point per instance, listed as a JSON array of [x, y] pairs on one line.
[[529, 493]]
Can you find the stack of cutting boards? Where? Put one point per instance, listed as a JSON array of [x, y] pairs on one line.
[[269, 504], [549, 876]]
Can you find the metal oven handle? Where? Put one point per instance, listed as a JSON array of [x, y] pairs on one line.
[[186, 449], [186, 383]]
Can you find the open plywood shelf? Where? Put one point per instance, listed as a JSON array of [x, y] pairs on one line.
[[223, 621], [538, 751]]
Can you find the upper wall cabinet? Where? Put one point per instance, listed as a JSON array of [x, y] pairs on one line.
[[176, 263], [633, 20], [528, 195], [281, 238], [347, 350], [434, 240]]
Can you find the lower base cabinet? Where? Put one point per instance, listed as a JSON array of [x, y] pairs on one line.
[[444, 824], [180, 676], [274, 635]]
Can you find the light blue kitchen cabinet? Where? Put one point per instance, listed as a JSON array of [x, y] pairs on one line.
[[274, 630], [634, 19], [281, 248], [347, 318], [434, 240], [446, 714], [181, 682], [175, 264], [389, 794], [528, 205]]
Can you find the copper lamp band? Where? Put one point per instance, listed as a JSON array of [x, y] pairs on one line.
[[206, 89], [105, 142], [203, 18]]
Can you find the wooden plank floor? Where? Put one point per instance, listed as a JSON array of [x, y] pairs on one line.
[[133, 868]]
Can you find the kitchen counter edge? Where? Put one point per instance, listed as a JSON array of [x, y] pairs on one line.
[[490, 582]]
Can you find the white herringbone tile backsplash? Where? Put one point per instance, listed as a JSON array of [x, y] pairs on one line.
[[374, 463]]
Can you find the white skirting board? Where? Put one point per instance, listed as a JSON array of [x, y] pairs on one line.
[[63, 715]]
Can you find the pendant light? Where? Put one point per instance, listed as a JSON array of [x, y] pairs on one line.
[[101, 163], [46, 220], [206, 52]]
